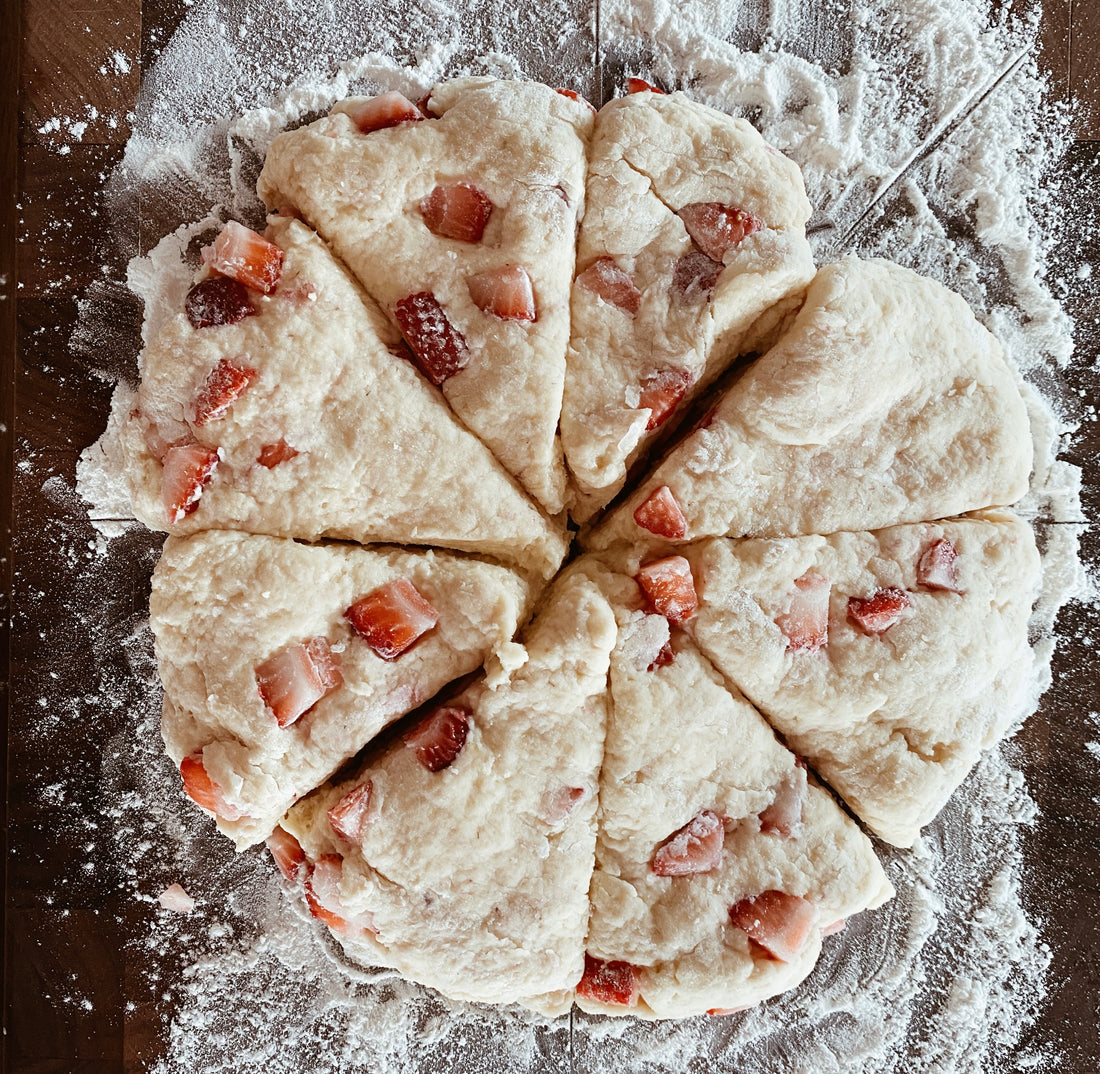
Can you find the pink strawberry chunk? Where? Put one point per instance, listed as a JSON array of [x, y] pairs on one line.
[[837, 926], [669, 587], [784, 816], [640, 85], [273, 454], [693, 277], [385, 110], [224, 385], [608, 982], [216, 301], [186, 470], [439, 349], [287, 852], [349, 816], [293, 680], [715, 227], [879, 612], [560, 802], [779, 923], [695, 848], [660, 514], [202, 789], [322, 893], [938, 567], [440, 737], [661, 394], [457, 211], [613, 284], [806, 623], [247, 257], [505, 293], [393, 616]]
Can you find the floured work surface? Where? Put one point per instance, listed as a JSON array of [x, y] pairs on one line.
[[99, 829]]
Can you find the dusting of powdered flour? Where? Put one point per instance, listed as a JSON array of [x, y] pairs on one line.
[[924, 137]]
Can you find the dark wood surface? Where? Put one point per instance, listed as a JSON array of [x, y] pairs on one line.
[[54, 404]]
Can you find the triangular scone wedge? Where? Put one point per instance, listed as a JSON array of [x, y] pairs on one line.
[[888, 660], [281, 660], [692, 249], [885, 402], [453, 221], [719, 865], [312, 428], [461, 854]]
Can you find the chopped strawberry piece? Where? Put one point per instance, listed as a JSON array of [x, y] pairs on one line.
[[287, 852], [187, 469], [806, 623], [784, 816], [247, 257], [665, 657], [322, 891], [661, 394], [349, 816], [439, 737], [457, 211], [393, 616], [224, 385], [640, 85], [661, 514], [203, 790], [938, 567], [505, 293], [608, 982], [837, 926], [695, 848], [217, 300], [613, 284], [385, 110], [573, 95], [718, 1012], [559, 803], [694, 276], [669, 588], [273, 454], [439, 349], [293, 680], [778, 922], [715, 227], [879, 612]]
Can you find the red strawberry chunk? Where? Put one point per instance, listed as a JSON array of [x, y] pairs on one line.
[[661, 514], [694, 276], [439, 737], [217, 300], [608, 982], [879, 612], [695, 848], [573, 95], [393, 616], [457, 211], [224, 385], [349, 816], [718, 1012], [293, 680], [938, 567], [715, 227], [640, 85], [661, 394], [439, 349], [322, 892], [663, 658], [669, 587], [780, 923], [559, 803], [385, 110], [273, 454], [806, 623], [505, 293], [247, 257], [186, 470], [203, 790], [287, 852], [784, 816], [613, 284]]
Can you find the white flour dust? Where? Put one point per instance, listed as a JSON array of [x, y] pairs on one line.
[[924, 138]]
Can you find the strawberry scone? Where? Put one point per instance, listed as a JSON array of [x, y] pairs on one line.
[[274, 403], [281, 660], [691, 250], [720, 866], [885, 402], [461, 853], [460, 220]]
